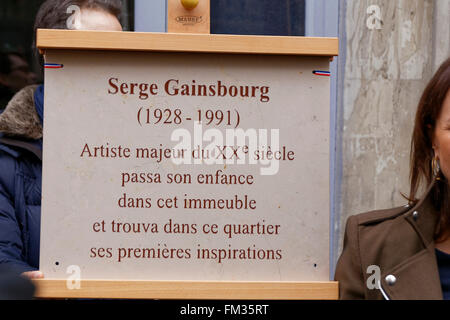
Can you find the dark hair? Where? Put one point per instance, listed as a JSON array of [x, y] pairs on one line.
[[53, 14], [422, 153]]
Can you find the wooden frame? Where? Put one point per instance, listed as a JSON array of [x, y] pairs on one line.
[[174, 42], [204, 290], [196, 43]]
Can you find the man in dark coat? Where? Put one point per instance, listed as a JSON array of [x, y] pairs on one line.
[[20, 182], [21, 143]]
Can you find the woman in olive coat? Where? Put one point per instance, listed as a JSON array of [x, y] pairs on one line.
[[404, 253]]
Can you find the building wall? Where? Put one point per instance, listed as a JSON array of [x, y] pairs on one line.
[[379, 76], [385, 72]]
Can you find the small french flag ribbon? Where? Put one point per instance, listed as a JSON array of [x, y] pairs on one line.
[[53, 66], [321, 73]]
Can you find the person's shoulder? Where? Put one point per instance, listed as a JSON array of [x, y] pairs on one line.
[[377, 223], [27, 91], [379, 216]]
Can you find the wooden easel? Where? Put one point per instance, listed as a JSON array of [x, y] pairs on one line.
[[196, 22]]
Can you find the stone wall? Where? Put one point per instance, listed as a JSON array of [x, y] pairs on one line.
[[385, 72]]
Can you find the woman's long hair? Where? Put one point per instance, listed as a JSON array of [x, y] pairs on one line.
[[422, 154]]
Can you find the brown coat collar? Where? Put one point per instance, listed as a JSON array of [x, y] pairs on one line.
[[417, 277]]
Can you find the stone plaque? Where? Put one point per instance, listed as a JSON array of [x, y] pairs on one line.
[[177, 166]]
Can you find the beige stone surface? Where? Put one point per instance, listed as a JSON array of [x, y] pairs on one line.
[[83, 191], [386, 71], [441, 38]]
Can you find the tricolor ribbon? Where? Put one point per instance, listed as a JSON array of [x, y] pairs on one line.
[[53, 66], [322, 73]]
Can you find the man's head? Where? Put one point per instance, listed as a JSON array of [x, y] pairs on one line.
[[79, 15], [15, 71], [92, 15]]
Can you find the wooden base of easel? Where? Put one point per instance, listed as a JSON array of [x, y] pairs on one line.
[[198, 290]]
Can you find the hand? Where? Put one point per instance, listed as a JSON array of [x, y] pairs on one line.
[[33, 275]]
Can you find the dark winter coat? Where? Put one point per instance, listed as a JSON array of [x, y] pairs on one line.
[[20, 183]]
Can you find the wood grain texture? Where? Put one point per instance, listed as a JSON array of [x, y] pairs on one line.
[[175, 42], [203, 290]]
